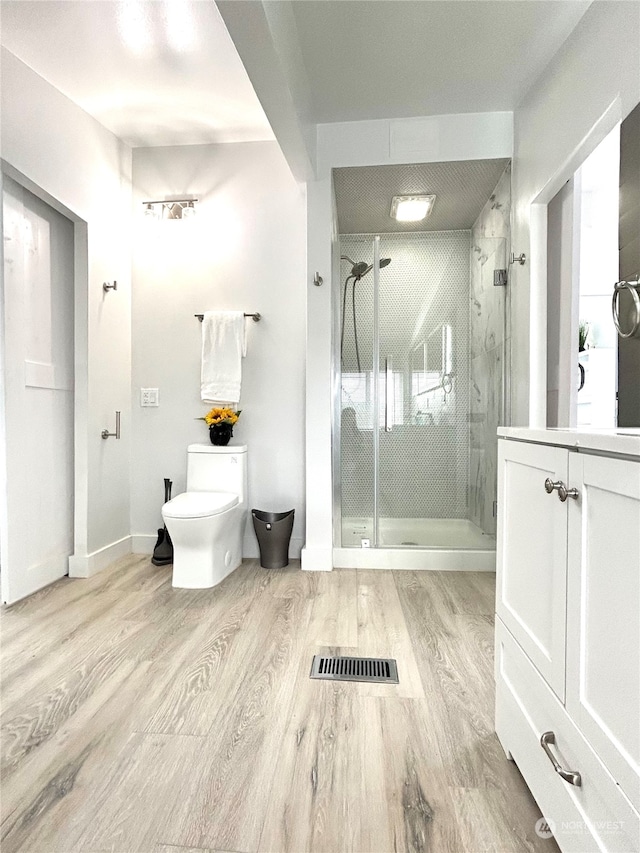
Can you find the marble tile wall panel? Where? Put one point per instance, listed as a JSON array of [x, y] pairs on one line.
[[485, 405], [490, 247]]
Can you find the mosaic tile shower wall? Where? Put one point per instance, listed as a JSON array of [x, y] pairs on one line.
[[424, 340]]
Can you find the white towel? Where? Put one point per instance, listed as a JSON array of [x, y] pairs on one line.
[[223, 345]]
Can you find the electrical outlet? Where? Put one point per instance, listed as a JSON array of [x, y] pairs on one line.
[[149, 397], [365, 543]]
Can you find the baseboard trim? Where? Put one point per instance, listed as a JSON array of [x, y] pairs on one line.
[[317, 559], [84, 566], [143, 543]]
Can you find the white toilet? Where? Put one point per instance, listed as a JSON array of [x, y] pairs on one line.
[[206, 523]]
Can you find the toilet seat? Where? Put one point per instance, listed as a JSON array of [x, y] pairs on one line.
[[199, 504]]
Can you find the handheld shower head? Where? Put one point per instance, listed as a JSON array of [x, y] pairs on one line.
[[360, 269], [384, 262]]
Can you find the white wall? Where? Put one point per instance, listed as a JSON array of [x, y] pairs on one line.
[[556, 126], [419, 140], [244, 250], [64, 156], [422, 139], [264, 34]]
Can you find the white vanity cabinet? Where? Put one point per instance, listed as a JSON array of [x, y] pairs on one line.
[[602, 692], [532, 554], [568, 630]]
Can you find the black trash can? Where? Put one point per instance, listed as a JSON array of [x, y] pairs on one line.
[[273, 532]]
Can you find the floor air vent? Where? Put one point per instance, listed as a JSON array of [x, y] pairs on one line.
[[380, 670]]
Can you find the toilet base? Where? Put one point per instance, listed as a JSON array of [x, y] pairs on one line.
[[198, 571], [205, 551]]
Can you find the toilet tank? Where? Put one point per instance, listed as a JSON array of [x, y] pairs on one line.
[[217, 469]]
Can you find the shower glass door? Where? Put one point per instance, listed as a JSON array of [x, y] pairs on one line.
[[359, 393], [405, 392]]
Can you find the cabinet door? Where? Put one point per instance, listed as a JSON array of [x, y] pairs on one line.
[[532, 554], [603, 613]]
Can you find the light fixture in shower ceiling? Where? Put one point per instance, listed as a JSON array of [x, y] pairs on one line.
[[411, 208], [179, 208]]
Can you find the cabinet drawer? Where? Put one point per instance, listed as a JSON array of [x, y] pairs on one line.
[[596, 816]]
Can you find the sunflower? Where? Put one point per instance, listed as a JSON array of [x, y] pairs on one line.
[[223, 415]]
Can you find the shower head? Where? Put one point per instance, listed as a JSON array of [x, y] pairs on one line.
[[361, 268], [384, 262], [358, 268]]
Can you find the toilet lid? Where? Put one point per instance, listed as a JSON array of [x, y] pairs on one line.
[[199, 504]]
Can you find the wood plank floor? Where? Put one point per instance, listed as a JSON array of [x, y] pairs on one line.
[[136, 717]]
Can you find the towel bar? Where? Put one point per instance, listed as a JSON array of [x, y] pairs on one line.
[[256, 317]]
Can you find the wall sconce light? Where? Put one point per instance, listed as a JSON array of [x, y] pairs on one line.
[[179, 208]]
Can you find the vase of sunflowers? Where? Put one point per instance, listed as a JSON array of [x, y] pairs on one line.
[[221, 422]]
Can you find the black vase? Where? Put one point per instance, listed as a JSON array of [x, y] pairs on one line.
[[220, 434]]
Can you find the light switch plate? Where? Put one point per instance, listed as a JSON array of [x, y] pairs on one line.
[[149, 397]]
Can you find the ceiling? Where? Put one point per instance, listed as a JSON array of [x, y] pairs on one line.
[[154, 73], [166, 72], [392, 59], [364, 193]]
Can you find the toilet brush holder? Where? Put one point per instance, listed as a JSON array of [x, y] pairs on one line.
[[273, 532], [163, 550]]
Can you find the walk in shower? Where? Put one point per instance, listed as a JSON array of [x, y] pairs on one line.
[[419, 366]]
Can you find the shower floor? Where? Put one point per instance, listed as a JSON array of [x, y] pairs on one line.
[[450, 533]]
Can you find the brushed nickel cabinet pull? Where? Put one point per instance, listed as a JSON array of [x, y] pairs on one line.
[[570, 776], [550, 485], [564, 493]]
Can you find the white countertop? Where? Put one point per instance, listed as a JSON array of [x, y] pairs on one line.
[[622, 441]]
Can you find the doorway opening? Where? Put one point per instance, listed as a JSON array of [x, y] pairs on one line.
[[420, 362], [37, 509]]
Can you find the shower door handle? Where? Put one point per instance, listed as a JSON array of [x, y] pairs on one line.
[[388, 388]]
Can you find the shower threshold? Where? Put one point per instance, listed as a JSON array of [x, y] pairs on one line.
[[447, 544]]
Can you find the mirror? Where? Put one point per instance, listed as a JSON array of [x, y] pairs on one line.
[[435, 351], [418, 364]]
